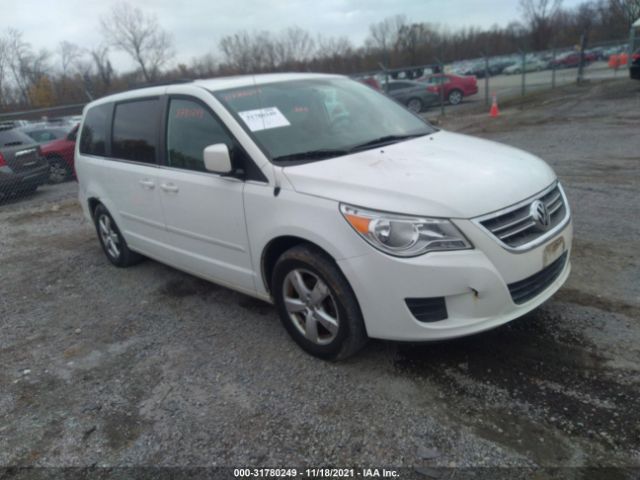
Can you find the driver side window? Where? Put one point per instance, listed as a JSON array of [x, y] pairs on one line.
[[191, 128]]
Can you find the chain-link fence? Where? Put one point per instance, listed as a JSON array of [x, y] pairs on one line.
[[436, 87]]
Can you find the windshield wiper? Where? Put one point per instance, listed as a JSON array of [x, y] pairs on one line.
[[386, 140], [311, 155]]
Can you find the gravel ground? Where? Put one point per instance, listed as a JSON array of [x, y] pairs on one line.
[[150, 366]]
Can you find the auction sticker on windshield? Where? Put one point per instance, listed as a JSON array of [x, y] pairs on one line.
[[264, 118]]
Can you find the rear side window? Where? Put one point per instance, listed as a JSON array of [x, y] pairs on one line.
[[94, 130], [135, 131]]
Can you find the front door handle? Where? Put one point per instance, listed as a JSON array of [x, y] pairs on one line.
[[146, 183], [169, 187]]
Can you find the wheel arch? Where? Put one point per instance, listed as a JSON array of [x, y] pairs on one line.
[[276, 247], [93, 203]]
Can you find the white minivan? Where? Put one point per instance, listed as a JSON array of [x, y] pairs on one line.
[[354, 216]]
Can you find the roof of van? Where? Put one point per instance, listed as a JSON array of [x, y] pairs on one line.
[[213, 84], [222, 83]]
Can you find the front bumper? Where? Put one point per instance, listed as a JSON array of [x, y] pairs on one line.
[[474, 284]]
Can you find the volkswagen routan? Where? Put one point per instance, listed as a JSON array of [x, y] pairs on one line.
[[353, 215]]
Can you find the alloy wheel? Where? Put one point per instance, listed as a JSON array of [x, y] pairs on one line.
[[109, 236], [57, 172], [311, 306], [414, 105], [455, 98]]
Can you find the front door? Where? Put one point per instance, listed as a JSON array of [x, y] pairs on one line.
[[203, 211]]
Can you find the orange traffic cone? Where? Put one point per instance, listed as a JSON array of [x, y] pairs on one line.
[[494, 112]]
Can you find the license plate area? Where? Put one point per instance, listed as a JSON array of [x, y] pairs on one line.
[[553, 251]]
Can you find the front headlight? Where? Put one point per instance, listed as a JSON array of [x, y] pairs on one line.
[[404, 236]]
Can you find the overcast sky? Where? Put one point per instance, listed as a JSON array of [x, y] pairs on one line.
[[198, 25]]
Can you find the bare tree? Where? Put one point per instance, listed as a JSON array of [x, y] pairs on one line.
[[539, 15], [414, 38], [100, 57], [628, 9], [241, 52], [27, 68], [4, 60], [294, 45], [69, 54], [140, 36], [383, 35], [18, 54], [204, 66], [333, 47]]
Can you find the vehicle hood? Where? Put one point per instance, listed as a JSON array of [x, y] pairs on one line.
[[442, 175]]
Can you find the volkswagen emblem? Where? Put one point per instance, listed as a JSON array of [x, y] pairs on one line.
[[540, 215]]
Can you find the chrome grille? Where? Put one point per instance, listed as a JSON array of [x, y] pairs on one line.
[[517, 227]]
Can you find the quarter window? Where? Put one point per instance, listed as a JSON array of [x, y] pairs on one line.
[[135, 130], [94, 130], [191, 128]]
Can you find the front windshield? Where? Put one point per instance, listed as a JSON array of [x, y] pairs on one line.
[[308, 120]]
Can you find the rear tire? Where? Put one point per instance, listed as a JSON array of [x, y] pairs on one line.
[[316, 304], [113, 243]]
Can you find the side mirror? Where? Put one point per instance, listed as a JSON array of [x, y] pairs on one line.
[[217, 159]]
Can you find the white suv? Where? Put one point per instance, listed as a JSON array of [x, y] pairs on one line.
[[353, 215]]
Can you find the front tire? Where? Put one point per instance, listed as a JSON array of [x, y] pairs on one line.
[[58, 171], [455, 97], [316, 304], [113, 243], [415, 105]]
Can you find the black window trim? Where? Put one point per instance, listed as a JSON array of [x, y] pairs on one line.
[[257, 176], [109, 146]]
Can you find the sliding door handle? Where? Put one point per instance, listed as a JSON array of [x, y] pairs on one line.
[[169, 187], [148, 184]]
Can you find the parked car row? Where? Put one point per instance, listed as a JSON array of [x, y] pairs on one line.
[[34, 153], [530, 65], [513, 64]]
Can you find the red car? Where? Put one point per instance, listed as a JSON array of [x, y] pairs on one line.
[[572, 60], [372, 82], [455, 86], [60, 154]]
